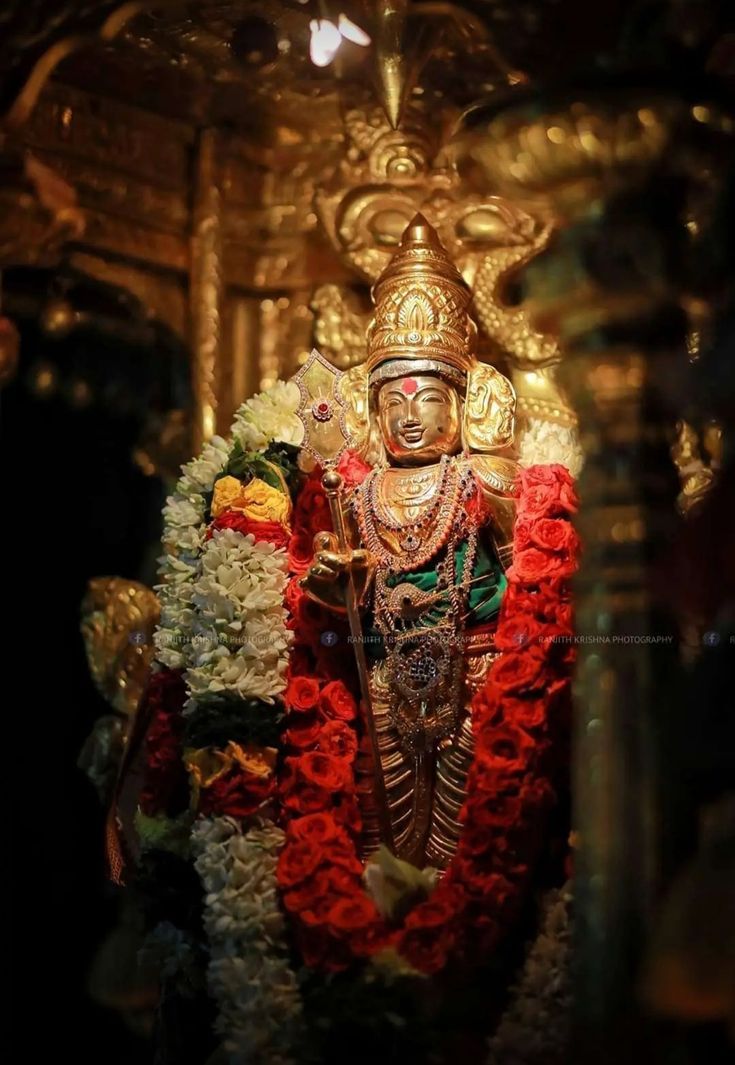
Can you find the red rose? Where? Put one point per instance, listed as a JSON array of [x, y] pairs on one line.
[[165, 780], [342, 881], [530, 712], [302, 693], [300, 550], [424, 949], [270, 531], [536, 794], [338, 739], [546, 491], [433, 913], [556, 477], [301, 798], [323, 770], [516, 671], [293, 595], [552, 473], [342, 854], [300, 661], [553, 534], [304, 731], [522, 534], [312, 508], [517, 631], [310, 621], [306, 894], [349, 914], [314, 828], [505, 748], [491, 812], [545, 474], [540, 602], [353, 469], [337, 702], [317, 913], [347, 813], [534, 565], [235, 794], [491, 885], [296, 862]]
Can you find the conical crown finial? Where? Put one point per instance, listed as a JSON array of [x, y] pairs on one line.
[[421, 302]]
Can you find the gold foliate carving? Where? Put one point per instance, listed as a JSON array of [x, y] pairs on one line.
[[489, 422], [118, 617], [353, 390], [339, 328], [388, 175], [697, 471], [510, 327]]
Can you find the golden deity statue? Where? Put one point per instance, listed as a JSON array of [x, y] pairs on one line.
[[425, 539]]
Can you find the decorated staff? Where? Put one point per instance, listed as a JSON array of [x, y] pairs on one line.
[[323, 411]]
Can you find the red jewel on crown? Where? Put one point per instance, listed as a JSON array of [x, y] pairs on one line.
[[322, 410]]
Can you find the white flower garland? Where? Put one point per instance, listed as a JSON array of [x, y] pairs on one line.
[[223, 620], [240, 643], [541, 442], [183, 534], [263, 419], [269, 416], [249, 975]]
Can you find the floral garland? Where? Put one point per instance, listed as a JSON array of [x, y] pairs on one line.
[[222, 652], [518, 715], [249, 972], [232, 656], [184, 528]]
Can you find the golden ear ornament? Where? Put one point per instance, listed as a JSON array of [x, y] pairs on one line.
[[489, 410]]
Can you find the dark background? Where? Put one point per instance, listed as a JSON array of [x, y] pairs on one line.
[[76, 507]]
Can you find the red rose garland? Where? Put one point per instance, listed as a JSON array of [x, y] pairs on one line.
[[165, 781], [518, 716]]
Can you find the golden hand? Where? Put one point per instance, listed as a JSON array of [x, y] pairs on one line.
[[327, 578]]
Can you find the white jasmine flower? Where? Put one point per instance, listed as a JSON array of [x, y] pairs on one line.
[[200, 474], [269, 416], [260, 1012]]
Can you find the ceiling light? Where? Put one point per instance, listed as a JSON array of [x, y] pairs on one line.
[[325, 40]]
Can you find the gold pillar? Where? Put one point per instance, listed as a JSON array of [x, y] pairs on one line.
[[206, 291]]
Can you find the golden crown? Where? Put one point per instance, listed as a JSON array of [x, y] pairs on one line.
[[421, 302]]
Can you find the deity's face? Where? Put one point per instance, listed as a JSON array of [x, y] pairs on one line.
[[420, 419]]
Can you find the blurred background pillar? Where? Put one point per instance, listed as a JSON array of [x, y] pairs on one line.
[[622, 173]]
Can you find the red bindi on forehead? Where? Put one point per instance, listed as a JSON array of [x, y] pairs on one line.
[[409, 386]]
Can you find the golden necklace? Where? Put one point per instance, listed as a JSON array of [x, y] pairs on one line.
[[426, 521]]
